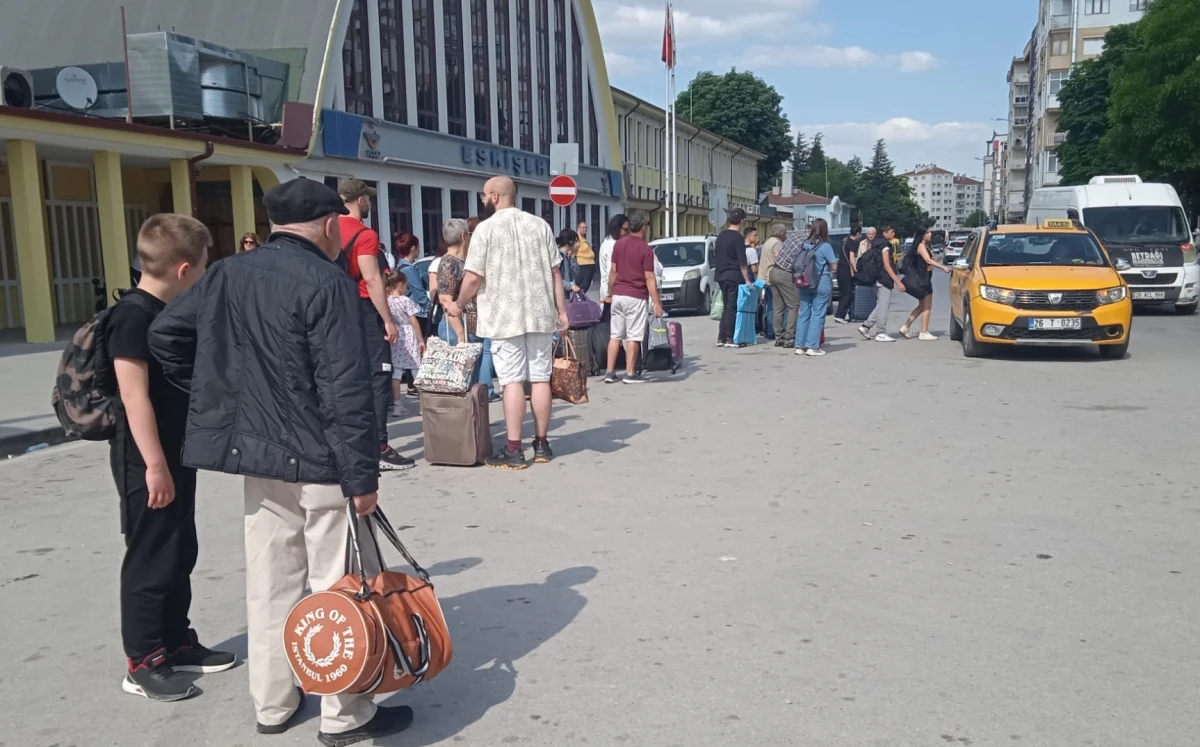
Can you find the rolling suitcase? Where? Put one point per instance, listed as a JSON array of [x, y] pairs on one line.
[[864, 303], [457, 427], [582, 340], [675, 336]]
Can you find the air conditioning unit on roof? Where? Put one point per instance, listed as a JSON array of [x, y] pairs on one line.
[[1129, 179]]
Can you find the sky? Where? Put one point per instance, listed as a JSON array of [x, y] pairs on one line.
[[926, 75]]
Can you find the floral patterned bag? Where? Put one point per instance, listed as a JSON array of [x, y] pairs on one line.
[[568, 379], [447, 369]]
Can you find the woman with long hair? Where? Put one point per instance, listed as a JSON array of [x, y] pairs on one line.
[[250, 241], [814, 300], [918, 283]]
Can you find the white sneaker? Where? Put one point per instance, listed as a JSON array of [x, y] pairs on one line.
[[801, 351], [904, 332], [815, 353], [926, 337], [881, 337], [866, 333], [840, 320]]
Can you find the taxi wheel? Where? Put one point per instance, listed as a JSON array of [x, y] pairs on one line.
[[1115, 352], [972, 348], [956, 330]]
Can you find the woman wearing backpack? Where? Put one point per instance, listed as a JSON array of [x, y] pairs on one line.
[[813, 272]]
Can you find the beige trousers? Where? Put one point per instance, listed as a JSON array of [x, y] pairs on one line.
[[296, 538]]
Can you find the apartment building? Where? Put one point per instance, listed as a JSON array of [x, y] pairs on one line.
[[968, 198], [993, 168], [1012, 174], [1067, 32], [944, 196]]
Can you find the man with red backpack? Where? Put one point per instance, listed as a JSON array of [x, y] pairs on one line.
[[360, 252]]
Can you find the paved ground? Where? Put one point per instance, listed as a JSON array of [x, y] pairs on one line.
[[889, 546]]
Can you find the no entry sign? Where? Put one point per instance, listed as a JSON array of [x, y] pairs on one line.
[[563, 191]]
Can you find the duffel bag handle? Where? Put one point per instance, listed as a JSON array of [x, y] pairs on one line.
[[385, 527]]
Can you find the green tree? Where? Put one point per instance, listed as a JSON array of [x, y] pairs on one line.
[[976, 219], [745, 109], [834, 178], [1084, 98], [1154, 107], [885, 199], [799, 160], [816, 155]]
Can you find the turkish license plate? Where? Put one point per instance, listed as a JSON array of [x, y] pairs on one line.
[[666, 296], [1149, 295], [1061, 323]]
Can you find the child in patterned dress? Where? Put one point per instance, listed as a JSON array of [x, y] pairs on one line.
[[410, 346]]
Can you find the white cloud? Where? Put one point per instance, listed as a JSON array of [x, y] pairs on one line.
[[951, 145], [824, 56], [620, 64]]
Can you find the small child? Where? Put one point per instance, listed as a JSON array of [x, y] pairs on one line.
[[408, 349], [158, 493]]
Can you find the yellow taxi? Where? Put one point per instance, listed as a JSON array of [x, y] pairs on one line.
[[1049, 284]]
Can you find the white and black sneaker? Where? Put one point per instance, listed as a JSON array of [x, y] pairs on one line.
[[195, 657], [155, 679], [391, 460], [386, 722]]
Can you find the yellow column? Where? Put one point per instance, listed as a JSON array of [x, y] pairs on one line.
[[33, 254], [110, 203], [241, 183], [181, 186]]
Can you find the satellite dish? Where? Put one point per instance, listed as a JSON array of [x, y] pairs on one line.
[[835, 206], [77, 88]]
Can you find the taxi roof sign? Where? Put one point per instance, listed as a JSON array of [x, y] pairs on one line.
[[1058, 223]]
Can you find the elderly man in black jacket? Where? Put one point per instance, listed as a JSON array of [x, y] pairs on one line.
[[271, 346]]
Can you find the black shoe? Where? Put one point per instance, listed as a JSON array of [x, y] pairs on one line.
[[391, 461], [194, 657], [412, 391], [542, 453], [387, 721], [287, 722], [154, 678], [505, 459]]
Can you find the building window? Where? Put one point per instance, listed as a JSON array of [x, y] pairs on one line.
[[1136, 5], [400, 207], [529, 205], [548, 214], [1096, 7], [1055, 80], [1093, 45], [431, 218], [460, 204], [596, 227], [425, 64], [560, 69], [543, 72], [1052, 162], [391, 50], [524, 94], [1060, 46], [593, 131], [503, 75], [456, 86], [356, 61], [637, 153], [479, 55], [577, 81]]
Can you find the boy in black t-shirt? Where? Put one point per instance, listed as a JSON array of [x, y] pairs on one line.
[[158, 494]]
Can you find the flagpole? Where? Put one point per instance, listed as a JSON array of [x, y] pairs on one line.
[[667, 151], [674, 161]]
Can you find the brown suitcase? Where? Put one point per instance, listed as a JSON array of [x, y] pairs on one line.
[[457, 427]]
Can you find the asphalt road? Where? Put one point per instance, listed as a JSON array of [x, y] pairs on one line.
[[889, 546]]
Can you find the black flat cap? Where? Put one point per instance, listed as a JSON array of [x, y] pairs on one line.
[[301, 201]]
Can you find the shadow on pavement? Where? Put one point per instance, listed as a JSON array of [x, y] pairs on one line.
[[603, 439], [491, 629]]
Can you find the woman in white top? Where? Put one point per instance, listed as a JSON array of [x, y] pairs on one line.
[[617, 228]]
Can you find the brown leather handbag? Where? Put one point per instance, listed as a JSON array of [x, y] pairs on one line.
[[368, 635], [568, 377]]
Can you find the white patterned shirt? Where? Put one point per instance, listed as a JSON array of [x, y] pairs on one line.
[[515, 255]]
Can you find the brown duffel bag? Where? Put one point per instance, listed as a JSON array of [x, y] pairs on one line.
[[368, 635]]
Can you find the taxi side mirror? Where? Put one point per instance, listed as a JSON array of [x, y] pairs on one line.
[[1122, 264], [962, 263]]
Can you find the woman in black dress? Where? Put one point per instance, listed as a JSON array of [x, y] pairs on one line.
[[918, 282]]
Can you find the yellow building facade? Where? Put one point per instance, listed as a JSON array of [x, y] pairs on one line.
[[74, 192]]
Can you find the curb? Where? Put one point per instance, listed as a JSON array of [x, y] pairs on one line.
[[16, 444]]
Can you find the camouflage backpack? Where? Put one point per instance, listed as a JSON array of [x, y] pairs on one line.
[[85, 390]]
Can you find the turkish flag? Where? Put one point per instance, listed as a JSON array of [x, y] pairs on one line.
[[668, 44]]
